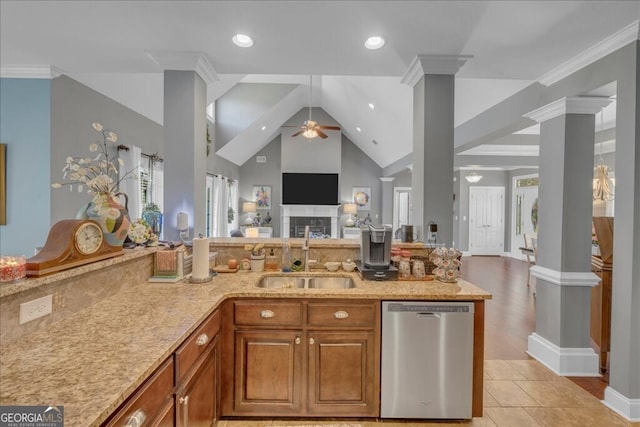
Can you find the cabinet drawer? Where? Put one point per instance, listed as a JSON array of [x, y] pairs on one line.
[[196, 344], [149, 401], [268, 313], [342, 314]]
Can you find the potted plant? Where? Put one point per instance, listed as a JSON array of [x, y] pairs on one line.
[[257, 256]]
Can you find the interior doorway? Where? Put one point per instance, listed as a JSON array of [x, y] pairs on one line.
[[401, 207], [524, 195], [486, 220]]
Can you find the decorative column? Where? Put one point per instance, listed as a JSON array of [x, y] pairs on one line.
[[432, 80], [186, 77], [387, 200], [563, 263]]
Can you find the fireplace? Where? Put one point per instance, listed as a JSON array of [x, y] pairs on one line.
[[322, 220]]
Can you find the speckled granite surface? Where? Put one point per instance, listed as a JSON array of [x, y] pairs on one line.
[[92, 361]]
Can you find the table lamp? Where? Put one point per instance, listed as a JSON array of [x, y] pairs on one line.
[[249, 207], [349, 208]]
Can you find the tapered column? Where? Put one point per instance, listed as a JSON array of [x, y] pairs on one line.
[[432, 79], [563, 271]]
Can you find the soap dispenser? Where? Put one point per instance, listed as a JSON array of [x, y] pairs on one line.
[[286, 256], [271, 262]]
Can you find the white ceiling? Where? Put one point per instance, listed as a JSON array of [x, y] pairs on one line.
[[514, 43]]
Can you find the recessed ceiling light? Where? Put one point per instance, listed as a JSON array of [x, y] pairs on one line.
[[242, 40], [263, 128], [374, 42], [358, 129], [371, 106]]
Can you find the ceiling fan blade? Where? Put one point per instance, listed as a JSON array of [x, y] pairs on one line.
[[329, 127], [285, 126], [321, 134], [297, 133]]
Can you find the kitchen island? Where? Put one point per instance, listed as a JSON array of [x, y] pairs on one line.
[[91, 361]]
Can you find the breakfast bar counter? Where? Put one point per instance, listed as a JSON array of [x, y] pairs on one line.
[[93, 360]]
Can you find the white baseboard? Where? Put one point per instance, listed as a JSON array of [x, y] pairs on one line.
[[570, 362], [628, 408]]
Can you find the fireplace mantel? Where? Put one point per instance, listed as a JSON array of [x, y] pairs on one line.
[[288, 211]]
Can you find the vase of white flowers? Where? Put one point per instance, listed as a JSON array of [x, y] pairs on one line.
[[99, 176]]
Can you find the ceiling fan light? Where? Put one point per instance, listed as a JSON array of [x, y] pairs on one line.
[[242, 40], [310, 134], [374, 42]]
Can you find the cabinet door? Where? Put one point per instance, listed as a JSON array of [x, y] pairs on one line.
[[197, 396], [268, 372], [342, 373]]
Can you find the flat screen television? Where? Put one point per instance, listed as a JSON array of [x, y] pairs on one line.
[[310, 189]]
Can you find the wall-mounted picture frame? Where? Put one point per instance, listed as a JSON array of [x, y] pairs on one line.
[[361, 196], [3, 184], [262, 196]]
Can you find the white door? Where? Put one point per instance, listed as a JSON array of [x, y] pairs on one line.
[[525, 192], [401, 207], [486, 220]]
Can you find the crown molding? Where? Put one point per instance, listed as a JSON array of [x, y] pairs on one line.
[[433, 64], [601, 49], [575, 105], [185, 61], [30, 72]]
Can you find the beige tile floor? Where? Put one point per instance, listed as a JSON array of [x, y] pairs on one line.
[[517, 393]]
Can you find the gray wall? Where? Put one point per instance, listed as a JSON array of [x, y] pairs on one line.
[[216, 164], [74, 107], [244, 104]]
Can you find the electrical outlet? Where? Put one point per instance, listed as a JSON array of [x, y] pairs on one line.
[[36, 308]]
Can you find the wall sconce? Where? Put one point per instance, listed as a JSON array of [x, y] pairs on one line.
[[350, 208], [473, 177], [249, 207], [183, 225]]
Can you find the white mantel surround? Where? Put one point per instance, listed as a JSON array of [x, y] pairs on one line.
[[288, 211]]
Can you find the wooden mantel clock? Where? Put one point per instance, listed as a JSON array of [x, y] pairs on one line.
[[71, 243]]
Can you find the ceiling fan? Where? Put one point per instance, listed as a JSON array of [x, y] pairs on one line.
[[311, 129]]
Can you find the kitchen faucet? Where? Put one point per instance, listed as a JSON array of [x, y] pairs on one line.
[[305, 248]]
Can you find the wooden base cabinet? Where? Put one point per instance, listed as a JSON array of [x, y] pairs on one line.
[[321, 360]]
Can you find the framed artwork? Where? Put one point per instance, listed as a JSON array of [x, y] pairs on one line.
[[262, 196], [3, 184], [362, 198]]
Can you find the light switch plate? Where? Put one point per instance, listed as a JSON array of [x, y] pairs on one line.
[[35, 309]]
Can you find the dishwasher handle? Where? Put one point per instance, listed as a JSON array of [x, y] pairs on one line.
[[428, 315]]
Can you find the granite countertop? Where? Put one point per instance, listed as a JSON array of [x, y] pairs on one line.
[[93, 360]]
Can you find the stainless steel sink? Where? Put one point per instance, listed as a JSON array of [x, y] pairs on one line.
[[318, 282], [331, 283], [280, 282]]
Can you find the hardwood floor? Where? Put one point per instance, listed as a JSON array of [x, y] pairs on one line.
[[510, 315]]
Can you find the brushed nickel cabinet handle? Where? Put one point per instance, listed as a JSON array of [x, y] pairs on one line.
[[341, 314], [202, 340], [267, 314], [136, 419], [312, 341], [297, 340]]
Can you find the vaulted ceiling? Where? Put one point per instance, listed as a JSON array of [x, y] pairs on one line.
[[105, 45]]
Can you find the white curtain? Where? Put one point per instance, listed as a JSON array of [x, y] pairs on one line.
[[220, 201], [131, 185]]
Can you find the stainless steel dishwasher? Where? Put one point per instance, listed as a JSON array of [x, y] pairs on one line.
[[427, 359]]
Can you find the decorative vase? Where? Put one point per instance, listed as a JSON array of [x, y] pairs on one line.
[[257, 263], [107, 210], [154, 219]]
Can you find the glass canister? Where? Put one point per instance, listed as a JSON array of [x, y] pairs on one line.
[[418, 269], [404, 266]]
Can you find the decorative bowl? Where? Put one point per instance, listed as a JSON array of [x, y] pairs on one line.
[[332, 265], [348, 266]]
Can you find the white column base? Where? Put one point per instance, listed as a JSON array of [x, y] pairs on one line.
[[568, 362], [628, 408]]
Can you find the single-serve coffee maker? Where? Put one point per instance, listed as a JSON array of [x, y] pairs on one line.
[[375, 254]]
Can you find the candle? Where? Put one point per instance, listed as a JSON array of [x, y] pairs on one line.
[[12, 268], [200, 258]]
